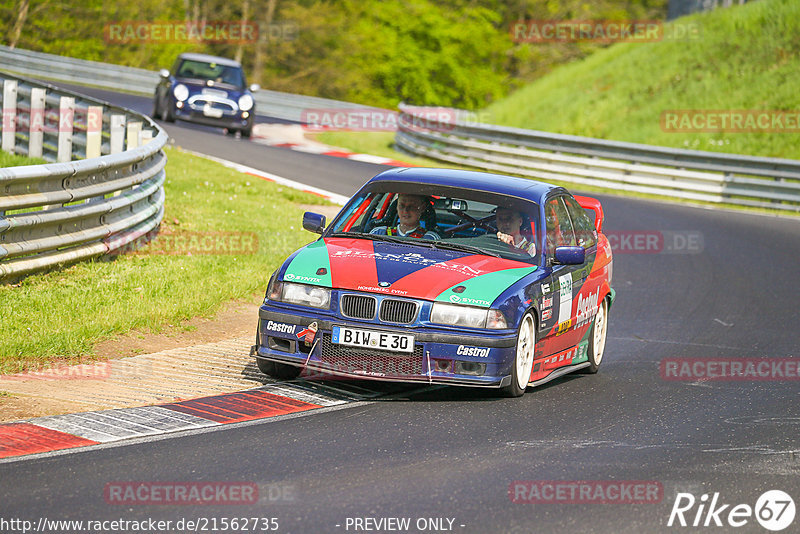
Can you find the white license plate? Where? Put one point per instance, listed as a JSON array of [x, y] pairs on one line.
[[208, 111], [356, 337]]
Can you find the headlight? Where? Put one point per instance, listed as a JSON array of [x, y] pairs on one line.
[[181, 92], [471, 317], [301, 294], [245, 102]]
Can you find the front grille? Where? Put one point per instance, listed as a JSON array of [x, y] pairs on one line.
[[356, 360], [398, 311], [358, 306]]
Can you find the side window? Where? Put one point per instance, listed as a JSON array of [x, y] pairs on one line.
[[584, 229], [559, 226]]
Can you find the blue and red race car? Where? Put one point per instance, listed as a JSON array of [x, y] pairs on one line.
[[502, 282]]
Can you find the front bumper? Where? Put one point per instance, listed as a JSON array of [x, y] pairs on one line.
[[440, 355]]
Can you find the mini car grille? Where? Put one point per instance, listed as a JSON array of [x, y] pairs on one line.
[[200, 102], [358, 306], [355, 360], [398, 311]]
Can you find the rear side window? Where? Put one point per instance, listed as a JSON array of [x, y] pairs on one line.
[[584, 229], [559, 226]]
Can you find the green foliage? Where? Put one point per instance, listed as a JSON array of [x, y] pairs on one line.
[[378, 52], [747, 58]]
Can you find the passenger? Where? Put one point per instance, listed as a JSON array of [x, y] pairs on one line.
[[509, 230], [410, 209]]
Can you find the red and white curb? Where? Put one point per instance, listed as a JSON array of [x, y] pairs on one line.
[[292, 136], [323, 150], [59, 432]]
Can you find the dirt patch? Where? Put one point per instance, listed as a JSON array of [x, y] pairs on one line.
[[104, 386], [236, 319]]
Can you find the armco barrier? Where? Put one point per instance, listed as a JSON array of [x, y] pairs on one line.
[[688, 174], [284, 106], [74, 208]]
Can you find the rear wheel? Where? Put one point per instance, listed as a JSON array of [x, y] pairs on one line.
[[523, 361], [597, 341]]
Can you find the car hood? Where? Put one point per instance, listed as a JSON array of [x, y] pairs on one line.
[[404, 270]]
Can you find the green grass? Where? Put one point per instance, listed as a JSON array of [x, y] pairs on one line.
[[14, 160], [59, 316], [747, 57]]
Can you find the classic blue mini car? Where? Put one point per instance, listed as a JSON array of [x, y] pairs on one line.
[[207, 90]]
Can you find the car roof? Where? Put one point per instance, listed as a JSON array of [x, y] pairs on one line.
[[478, 181], [210, 59]]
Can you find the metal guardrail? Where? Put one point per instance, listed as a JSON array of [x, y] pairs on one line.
[[676, 173], [74, 209], [284, 106]]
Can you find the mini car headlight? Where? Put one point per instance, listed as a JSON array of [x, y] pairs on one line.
[[181, 92], [245, 102], [304, 295]]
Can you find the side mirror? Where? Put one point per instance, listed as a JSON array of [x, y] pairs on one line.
[[570, 255], [254, 87], [314, 222], [164, 73]]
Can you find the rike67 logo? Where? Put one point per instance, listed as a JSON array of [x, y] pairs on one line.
[[774, 510]]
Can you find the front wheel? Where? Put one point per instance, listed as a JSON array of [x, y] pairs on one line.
[[597, 342], [278, 370], [523, 360]]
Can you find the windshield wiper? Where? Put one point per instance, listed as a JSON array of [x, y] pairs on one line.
[[463, 248], [380, 237]]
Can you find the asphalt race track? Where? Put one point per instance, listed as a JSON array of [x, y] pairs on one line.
[[719, 284]]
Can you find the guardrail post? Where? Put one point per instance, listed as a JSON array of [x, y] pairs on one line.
[[36, 136], [145, 137], [94, 131], [117, 133], [134, 129], [66, 117], [9, 114]]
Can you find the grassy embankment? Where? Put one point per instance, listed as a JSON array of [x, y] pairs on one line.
[[745, 58], [59, 316], [14, 160]]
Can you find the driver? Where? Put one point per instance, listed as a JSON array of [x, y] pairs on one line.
[[409, 211], [509, 230]]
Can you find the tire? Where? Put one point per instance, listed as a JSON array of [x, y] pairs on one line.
[[166, 113], [597, 340], [523, 359], [247, 132], [278, 370]]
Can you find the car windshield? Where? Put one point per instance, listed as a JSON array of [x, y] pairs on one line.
[[201, 70], [463, 220]]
